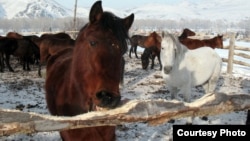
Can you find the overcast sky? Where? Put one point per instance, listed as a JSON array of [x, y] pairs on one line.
[[122, 4]]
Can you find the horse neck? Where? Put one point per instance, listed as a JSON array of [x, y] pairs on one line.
[[139, 40], [182, 50], [211, 42], [183, 36]]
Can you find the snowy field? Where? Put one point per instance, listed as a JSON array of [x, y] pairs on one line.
[[25, 91]]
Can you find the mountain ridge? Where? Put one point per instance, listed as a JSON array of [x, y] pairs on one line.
[[225, 10]]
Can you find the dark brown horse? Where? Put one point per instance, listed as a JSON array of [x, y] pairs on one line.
[[185, 33], [25, 49], [146, 55], [153, 40], [80, 79], [32, 38], [7, 47], [50, 44], [215, 42]]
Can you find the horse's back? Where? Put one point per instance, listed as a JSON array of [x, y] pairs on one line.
[[203, 63], [192, 43]]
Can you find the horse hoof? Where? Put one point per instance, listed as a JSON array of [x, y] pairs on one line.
[[204, 118], [171, 121]]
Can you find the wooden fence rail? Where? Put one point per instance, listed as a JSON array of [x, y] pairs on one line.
[[230, 60], [154, 112]]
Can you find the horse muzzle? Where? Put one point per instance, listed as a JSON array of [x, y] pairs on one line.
[[108, 99], [167, 69]]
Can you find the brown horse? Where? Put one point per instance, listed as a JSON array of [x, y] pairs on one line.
[[50, 44], [152, 40], [80, 79], [146, 55], [7, 47], [14, 35], [215, 42], [185, 33], [32, 38], [23, 48]]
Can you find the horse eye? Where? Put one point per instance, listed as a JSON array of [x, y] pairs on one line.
[[92, 43]]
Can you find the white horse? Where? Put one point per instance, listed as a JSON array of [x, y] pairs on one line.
[[184, 68]]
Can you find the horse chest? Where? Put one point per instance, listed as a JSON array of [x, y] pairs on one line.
[[176, 78]]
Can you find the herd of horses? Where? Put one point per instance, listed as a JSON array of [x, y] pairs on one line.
[[84, 74], [152, 45], [31, 49]]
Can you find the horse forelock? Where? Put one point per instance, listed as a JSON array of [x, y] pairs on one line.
[[178, 48], [109, 21]]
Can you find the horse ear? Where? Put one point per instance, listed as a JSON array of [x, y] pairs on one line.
[[96, 12], [162, 34], [128, 21]]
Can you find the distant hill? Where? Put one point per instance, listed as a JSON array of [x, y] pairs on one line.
[[224, 10], [32, 9]]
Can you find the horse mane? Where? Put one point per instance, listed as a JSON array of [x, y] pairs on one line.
[[185, 33], [111, 22], [174, 41]]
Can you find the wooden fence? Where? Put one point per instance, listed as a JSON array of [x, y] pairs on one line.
[[153, 112], [232, 52]]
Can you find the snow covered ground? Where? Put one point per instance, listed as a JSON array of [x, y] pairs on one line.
[[25, 91]]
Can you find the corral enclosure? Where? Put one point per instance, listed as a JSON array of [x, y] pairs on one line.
[[24, 91]]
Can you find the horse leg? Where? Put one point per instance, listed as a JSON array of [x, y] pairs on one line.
[[7, 61], [28, 58], [212, 82], [186, 91], [135, 48], [159, 59], [23, 59], [173, 92], [131, 49], [1, 62], [153, 62]]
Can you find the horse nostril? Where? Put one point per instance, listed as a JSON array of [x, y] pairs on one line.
[[167, 69], [108, 99]]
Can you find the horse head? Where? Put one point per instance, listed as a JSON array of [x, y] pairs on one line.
[[98, 56], [170, 50], [86, 77], [219, 41], [186, 32], [145, 58]]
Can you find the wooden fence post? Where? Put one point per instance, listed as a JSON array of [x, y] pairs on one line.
[[231, 54]]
